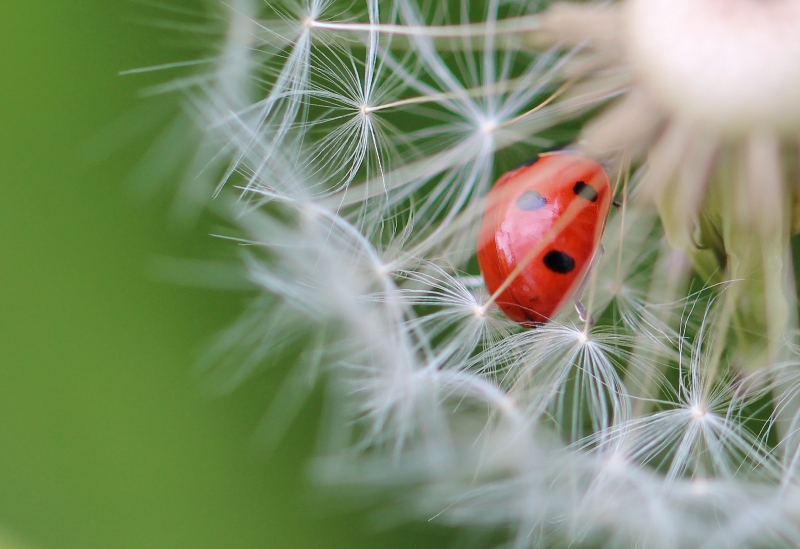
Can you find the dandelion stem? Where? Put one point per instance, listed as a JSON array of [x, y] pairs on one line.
[[520, 25], [589, 321], [641, 381], [564, 87], [501, 87]]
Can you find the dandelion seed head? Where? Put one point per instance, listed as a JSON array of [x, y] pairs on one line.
[[368, 135]]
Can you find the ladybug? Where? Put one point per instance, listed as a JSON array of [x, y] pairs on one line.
[[542, 227]]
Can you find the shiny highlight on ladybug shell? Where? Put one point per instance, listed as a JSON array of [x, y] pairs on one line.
[[547, 219]]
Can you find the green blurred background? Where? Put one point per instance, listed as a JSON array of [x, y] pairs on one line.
[[105, 437]]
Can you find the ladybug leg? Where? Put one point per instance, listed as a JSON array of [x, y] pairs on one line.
[[582, 312]]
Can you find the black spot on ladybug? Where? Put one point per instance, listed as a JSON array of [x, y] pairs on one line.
[[585, 191], [559, 262], [530, 201]]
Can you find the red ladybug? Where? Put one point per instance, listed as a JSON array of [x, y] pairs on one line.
[[558, 204]]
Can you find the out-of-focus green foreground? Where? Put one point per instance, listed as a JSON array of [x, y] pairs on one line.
[[105, 438]]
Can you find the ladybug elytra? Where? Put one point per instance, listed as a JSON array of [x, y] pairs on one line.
[[541, 229]]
